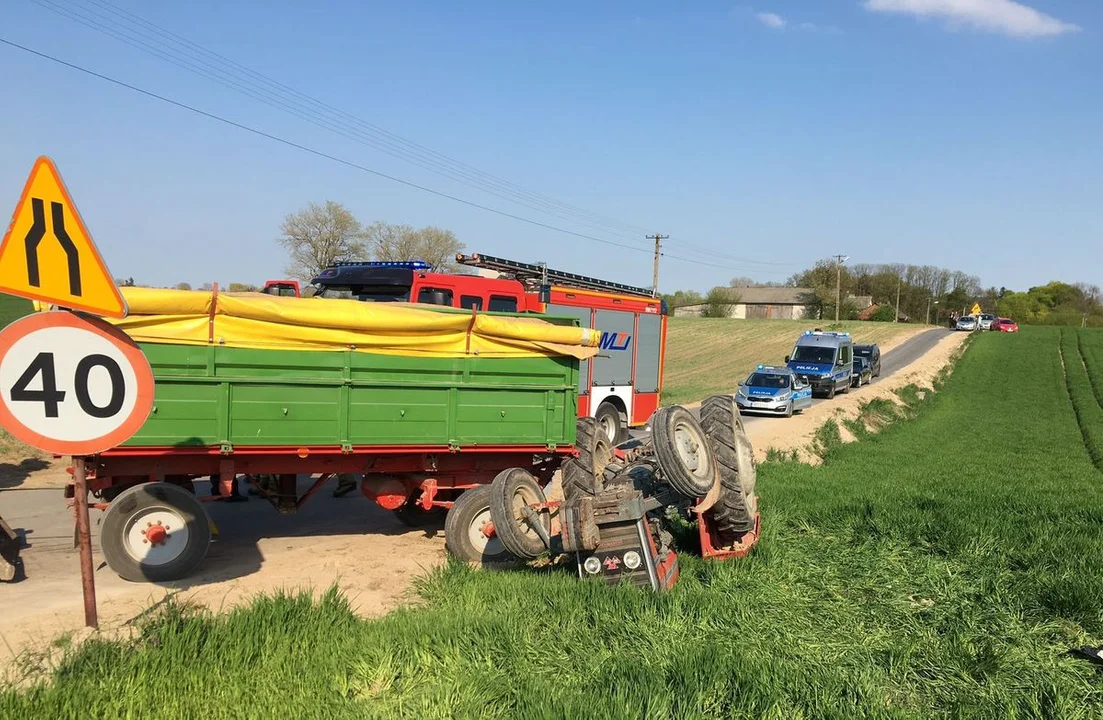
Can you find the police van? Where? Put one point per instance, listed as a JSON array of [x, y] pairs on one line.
[[823, 360]]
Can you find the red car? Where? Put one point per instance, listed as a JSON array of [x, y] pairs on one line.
[[1005, 325]]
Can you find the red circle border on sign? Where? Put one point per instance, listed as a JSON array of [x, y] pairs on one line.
[[142, 371]]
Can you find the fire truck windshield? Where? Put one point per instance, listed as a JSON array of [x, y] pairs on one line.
[[365, 293]]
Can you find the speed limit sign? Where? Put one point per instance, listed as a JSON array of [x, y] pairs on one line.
[[71, 384]]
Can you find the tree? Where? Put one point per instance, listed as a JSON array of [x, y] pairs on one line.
[[183, 286], [681, 298], [241, 287], [719, 303], [434, 245], [319, 236], [884, 313]]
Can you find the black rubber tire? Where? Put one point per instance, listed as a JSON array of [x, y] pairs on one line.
[[584, 475], [831, 392], [788, 414], [461, 516], [510, 489], [735, 509], [607, 413], [129, 506], [689, 482]]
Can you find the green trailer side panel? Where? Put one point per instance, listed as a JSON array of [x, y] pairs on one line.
[[216, 395]]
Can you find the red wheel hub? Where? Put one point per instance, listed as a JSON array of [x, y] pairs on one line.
[[156, 534]]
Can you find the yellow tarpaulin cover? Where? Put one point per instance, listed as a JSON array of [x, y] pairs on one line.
[[254, 320]]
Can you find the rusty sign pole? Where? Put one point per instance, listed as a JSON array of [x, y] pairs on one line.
[[84, 540]]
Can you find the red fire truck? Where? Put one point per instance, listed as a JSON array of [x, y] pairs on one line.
[[619, 388]]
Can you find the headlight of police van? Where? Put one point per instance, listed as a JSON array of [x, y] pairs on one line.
[[632, 560], [592, 565]]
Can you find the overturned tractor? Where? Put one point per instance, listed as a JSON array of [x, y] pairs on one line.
[[619, 502]]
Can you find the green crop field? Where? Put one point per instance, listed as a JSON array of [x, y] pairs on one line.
[[705, 356], [12, 308], [941, 568]]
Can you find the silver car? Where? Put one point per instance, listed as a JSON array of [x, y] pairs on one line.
[[985, 320], [967, 323]]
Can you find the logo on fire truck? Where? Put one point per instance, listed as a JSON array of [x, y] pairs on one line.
[[615, 341]]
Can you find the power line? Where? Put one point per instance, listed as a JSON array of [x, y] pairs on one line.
[[196, 59], [336, 159]]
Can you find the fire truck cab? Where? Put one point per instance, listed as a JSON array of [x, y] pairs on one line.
[[620, 387]]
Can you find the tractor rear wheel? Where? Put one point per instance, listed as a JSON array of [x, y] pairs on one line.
[[734, 512], [584, 474]]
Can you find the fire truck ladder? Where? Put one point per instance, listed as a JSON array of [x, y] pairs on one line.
[[541, 274]]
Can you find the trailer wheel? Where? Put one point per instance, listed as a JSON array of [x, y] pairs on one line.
[[609, 420], [154, 532], [512, 491], [683, 450], [584, 474], [469, 533], [736, 507]]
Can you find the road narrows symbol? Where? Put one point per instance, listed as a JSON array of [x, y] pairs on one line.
[[34, 240]]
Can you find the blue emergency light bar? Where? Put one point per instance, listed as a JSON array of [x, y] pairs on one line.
[[411, 265], [832, 334]]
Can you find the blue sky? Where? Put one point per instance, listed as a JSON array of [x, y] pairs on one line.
[[760, 137]]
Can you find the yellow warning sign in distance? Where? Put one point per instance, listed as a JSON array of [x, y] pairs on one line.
[[48, 254]]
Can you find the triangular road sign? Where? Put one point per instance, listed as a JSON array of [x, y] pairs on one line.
[[48, 254]]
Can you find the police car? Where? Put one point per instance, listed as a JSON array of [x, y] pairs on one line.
[[773, 390], [824, 360]]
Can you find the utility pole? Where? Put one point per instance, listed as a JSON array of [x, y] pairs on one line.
[[898, 284], [658, 238], [839, 260]]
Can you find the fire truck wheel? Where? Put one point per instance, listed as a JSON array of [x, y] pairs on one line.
[[609, 420], [154, 532], [736, 507], [469, 533], [583, 475], [511, 492], [683, 450]]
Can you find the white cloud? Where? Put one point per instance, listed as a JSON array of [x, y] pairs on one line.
[[771, 20], [1000, 16]]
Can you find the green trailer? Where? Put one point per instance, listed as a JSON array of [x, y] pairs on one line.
[[417, 430]]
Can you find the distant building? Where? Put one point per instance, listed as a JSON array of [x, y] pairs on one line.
[[774, 303]]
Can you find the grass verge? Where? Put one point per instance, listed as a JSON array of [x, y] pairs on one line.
[[941, 569]]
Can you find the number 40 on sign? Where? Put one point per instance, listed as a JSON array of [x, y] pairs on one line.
[[72, 384]]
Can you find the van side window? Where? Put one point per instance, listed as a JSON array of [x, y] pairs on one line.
[[844, 355], [471, 302], [434, 296], [502, 303]]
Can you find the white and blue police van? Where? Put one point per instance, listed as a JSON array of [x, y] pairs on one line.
[[824, 360]]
